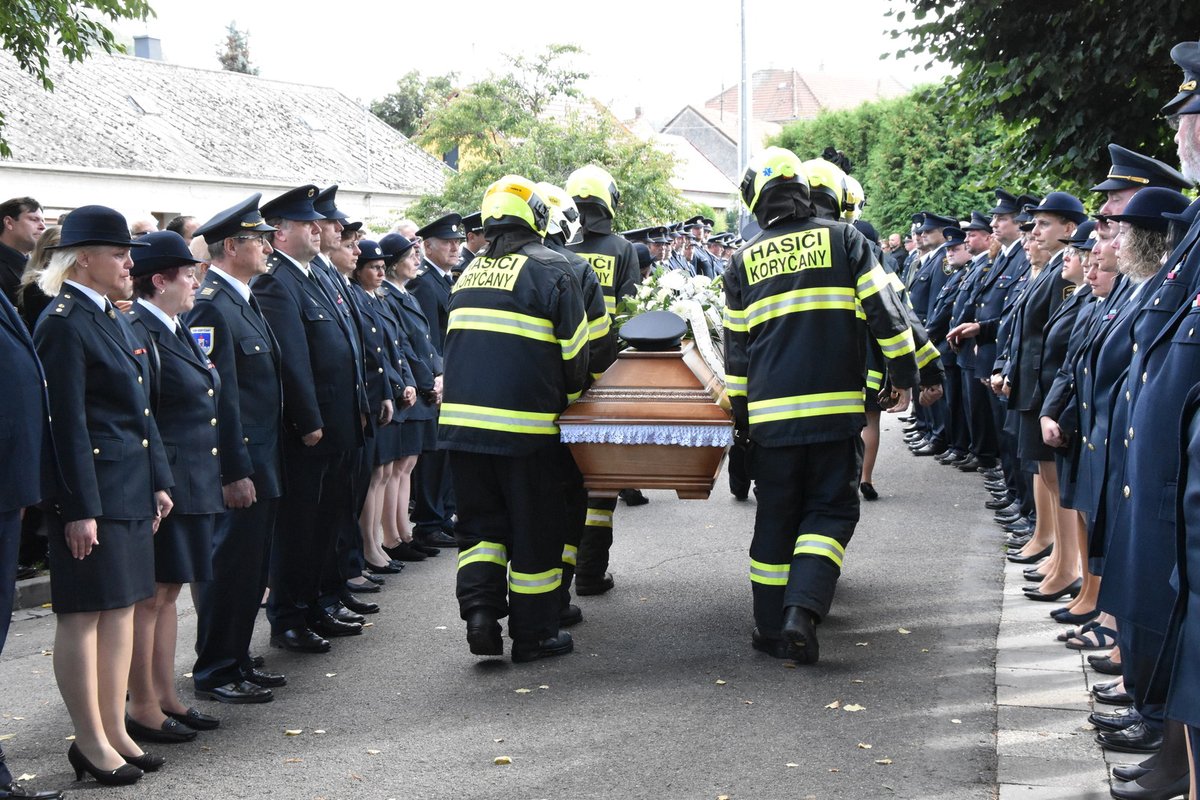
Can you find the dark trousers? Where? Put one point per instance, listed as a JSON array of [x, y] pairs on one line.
[[577, 502], [938, 413], [432, 493], [10, 543], [1139, 654], [512, 519], [304, 545], [739, 476], [597, 537], [957, 436], [227, 606], [349, 561], [807, 512], [979, 418]]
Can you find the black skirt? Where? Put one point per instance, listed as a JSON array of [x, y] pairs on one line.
[[183, 548], [1030, 446], [417, 436], [117, 573], [388, 443]]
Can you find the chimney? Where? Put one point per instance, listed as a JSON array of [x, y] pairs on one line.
[[149, 47]]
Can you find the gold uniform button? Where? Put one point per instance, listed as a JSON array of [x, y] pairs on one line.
[[213, 422], [1126, 491], [372, 330], [1156, 300], [257, 348], [214, 451], [211, 392], [1091, 446], [380, 369], [1085, 406], [1144, 375], [245, 440], [139, 378], [1131, 432], [1135, 347], [146, 412], [378, 349], [145, 443], [96, 451]]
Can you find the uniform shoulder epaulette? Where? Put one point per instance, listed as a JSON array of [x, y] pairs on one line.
[[208, 289], [63, 305]]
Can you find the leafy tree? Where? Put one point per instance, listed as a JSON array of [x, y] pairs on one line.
[[236, 55], [908, 155], [415, 100], [500, 126], [1066, 79], [76, 26]]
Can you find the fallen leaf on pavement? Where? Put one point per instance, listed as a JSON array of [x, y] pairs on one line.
[[864, 746], [855, 680], [293, 761], [543, 686], [523, 691], [330, 674], [318, 731], [372, 752], [883, 761], [5, 737], [187, 674], [903, 631], [71, 738], [834, 769], [791, 764], [956, 721], [720, 682], [293, 731], [748, 702], [498, 741], [18, 718], [835, 704], [501, 761], [854, 707], [440, 628], [28, 776], [861, 644]]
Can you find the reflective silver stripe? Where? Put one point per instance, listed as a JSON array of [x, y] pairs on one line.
[[531, 327], [769, 574], [539, 583], [772, 308], [570, 552], [485, 551], [810, 544], [599, 516], [806, 408]]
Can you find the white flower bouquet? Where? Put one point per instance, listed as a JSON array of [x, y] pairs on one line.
[[698, 299]]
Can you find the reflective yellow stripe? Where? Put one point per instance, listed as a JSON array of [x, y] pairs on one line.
[[806, 405], [735, 385], [895, 282], [769, 574], [927, 354], [573, 396], [535, 582], [816, 545], [570, 552], [597, 376], [898, 345], [599, 328], [610, 305], [872, 282], [837, 298], [874, 379], [491, 552], [572, 347], [734, 319], [599, 517], [497, 321], [498, 419]]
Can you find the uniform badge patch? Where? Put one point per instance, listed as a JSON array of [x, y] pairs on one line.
[[204, 339], [206, 291], [1068, 291]]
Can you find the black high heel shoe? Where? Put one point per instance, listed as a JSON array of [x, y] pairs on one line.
[[146, 762], [123, 775], [1071, 589]]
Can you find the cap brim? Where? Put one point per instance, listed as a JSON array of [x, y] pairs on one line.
[[89, 242], [1115, 185], [1182, 103]]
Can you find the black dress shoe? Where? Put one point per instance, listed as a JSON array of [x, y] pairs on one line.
[[996, 505], [1115, 721], [947, 457], [438, 539], [404, 552], [970, 464], [483, 633], [263, 678], [1113, 698], [633, 497], [325, 625], [428, 550], [1017, 558], [171, 731], [587, 585], [558, 645], [571, 615], [1134, 790], [358, 606], [933, 448], [1071, 589], [800, 632], [1129, 772], [1137, 738], [868, 491], [239, 693], [1106, 666], [390, 568], [1032, 575], [14, 791], [196, 720], [367, 588], [343, 614], [257, 661], [773, 646], [1021, 527], [146, 762], [300, 640], [1017, 541]]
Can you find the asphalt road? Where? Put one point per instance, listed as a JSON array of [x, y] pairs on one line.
[[663, 697]]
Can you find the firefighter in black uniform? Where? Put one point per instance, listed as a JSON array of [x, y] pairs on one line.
[[616, 265], [795, 362], [517, 306]]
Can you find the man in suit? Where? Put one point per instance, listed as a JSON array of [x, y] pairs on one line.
[[229, 327], [324, 412], [25, 463], [433, 493], [22, 222], [930, 275]]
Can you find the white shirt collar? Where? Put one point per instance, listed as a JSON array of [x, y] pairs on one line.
[[241, 288], [304, 268], [171, 323], [1007, 249], [94, 296]]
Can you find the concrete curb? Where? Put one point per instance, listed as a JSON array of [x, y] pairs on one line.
[[32, 592]]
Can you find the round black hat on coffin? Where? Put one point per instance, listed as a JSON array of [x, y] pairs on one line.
[[654, 331]]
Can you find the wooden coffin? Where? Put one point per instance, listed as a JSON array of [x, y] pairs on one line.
[[647, 397]]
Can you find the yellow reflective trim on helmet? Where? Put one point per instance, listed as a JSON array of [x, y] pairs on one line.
[[498, 419], [489, 552], [769, 574], [514, 196], [535, 582]]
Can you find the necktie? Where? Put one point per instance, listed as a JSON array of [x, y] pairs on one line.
[[108, 309], [185, 337]]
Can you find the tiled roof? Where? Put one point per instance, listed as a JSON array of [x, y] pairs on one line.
[[780, 95], [124, 113], [728, 124]]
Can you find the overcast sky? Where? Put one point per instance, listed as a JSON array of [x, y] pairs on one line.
[[652, 54]]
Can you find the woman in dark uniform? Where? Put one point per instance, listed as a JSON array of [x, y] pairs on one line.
[[113, 485], [183, 400], [387, 374], [417, 432]]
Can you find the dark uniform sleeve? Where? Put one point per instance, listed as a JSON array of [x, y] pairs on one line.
[[602, 339], [628, 275], [300, 408], [62, 354], [571, 330], [737, 354], [886, 314], [235, 456]]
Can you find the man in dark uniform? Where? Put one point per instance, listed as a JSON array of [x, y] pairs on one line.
[[616, 265], [433, 489], [324, 412], [518, 306], [22, 223], [26, 469], [927, 282], [702, 262], [938, 325], [1131, 172], [802, 424], [476, 242], [229, 327]]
